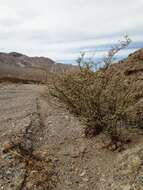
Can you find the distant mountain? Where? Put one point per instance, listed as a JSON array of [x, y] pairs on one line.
[[21, 60], [22, 66]]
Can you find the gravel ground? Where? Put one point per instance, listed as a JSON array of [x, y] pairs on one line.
[[33, 126]]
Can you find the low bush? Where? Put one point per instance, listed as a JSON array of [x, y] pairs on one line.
[[104, 100], [81, 92]]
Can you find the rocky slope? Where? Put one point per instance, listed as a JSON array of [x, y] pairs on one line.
[[24, 67], [43, 147], [20, 60]]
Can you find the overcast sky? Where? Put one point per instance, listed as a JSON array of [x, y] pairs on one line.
[[60, 29]]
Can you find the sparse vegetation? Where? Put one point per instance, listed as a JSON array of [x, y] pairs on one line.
[[103, 100], [38, 171]]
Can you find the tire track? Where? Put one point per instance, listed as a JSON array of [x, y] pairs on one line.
[[21, 129]]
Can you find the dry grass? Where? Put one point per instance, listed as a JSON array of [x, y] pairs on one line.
[[39, 170]]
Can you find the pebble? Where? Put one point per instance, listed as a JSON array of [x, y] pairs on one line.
[[85, 179], [68, 182], [83, 173]]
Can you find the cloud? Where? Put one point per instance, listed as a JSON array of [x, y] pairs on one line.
[[59, 29]]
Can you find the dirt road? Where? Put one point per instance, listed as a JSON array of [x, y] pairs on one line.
[[42, 146]]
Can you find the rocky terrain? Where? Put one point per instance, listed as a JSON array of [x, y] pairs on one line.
[[41, 143], [38, 69], [43, 147]]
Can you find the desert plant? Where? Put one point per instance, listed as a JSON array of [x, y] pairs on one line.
[[108, 59], [44, 173], [101, 99]]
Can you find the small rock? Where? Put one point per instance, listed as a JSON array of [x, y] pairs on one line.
[[82, 149], [67, 117], [126, 187], [55, 159], [66, 153], [83, 173], [68, 182], [49, 122], [6, 147], [62, 142], [75, 155], [8, 172], [85, 179]]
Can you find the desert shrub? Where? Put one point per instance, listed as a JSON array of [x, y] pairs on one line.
[[99, 103], [103, 100], [81, 92]]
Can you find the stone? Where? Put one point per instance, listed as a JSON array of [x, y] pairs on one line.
[[126, 187], [83, 173], [85, 179]]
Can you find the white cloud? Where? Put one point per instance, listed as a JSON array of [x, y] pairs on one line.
[[57, 28]]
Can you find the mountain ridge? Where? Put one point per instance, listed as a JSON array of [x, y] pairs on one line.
[[18, 65]]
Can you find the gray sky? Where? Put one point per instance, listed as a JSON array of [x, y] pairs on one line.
[[60, 29]]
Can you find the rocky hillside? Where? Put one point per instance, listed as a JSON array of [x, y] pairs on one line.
[[21, 60], [28, 68]]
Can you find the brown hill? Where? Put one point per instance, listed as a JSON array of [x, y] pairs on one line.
[[28, 68]]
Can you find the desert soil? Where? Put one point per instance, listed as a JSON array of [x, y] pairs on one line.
[[32, 124]]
